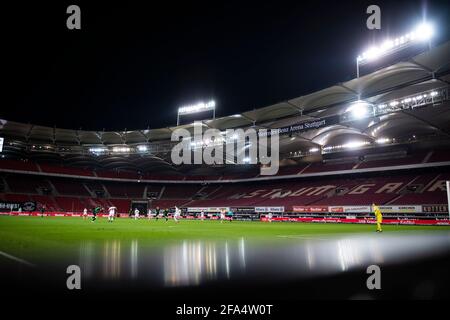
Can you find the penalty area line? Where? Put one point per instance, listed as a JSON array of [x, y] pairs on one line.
[[16, 259]]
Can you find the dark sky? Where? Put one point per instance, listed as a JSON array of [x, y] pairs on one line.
[[132, 64]]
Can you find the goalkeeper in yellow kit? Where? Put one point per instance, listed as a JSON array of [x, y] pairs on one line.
[[378, 216]]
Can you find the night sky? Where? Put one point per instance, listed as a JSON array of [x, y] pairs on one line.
[[133, 63]]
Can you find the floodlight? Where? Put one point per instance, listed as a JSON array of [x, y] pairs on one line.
[[374, 53], [199, 107], [97, 150], [383, 140], [424, 31], [355, 144], [359, 109], [121, 149], [393, 104], [196, 108]]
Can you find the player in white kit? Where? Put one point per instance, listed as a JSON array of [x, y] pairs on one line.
[[222, 216], [149, 213], [177, 214], [85, 213], [136, 214], [269, 217], [202, 216], [111, 213]]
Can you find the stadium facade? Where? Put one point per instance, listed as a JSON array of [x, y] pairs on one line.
[[383, 137]]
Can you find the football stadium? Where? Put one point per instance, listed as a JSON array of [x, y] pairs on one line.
[[361, 186]]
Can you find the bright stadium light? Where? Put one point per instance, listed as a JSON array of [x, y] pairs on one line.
[[422, 32], [121, 149], [393, 103], [196, 108], [142, 148], [359, 109], [199, 107], [383, 140], [355, 144], [97, 150], [412, 101]]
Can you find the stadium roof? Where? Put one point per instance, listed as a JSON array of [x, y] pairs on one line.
[[427, 71]]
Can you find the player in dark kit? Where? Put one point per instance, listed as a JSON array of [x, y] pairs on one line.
[[230, 215], [166, 214], [95, 211], [42, 211], [157, 213]]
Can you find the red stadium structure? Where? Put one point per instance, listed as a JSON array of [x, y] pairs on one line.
[[333, 162]]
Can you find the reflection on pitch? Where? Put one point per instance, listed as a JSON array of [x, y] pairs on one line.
[[108, 260], [188, 263], [193, 263]]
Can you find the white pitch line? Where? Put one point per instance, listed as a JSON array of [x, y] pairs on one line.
[[16, 259]]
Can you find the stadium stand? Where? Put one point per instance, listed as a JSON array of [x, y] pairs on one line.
[[118, 174], [129, 190], [407, 187], [26, 184], [64, 188], [290, 170], [180, 191], [415, 159], [169, 203], [71, 204], [323, 167], [16, 197], [122, 205], [95, 187], [65, 170], [440, 156], [48, 201], [18, 165], [302, 168]]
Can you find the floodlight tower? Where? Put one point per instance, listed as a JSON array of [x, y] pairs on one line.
[[196, 108], [422, 33]]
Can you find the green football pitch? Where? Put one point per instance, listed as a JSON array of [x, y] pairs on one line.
[[35, 237]]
